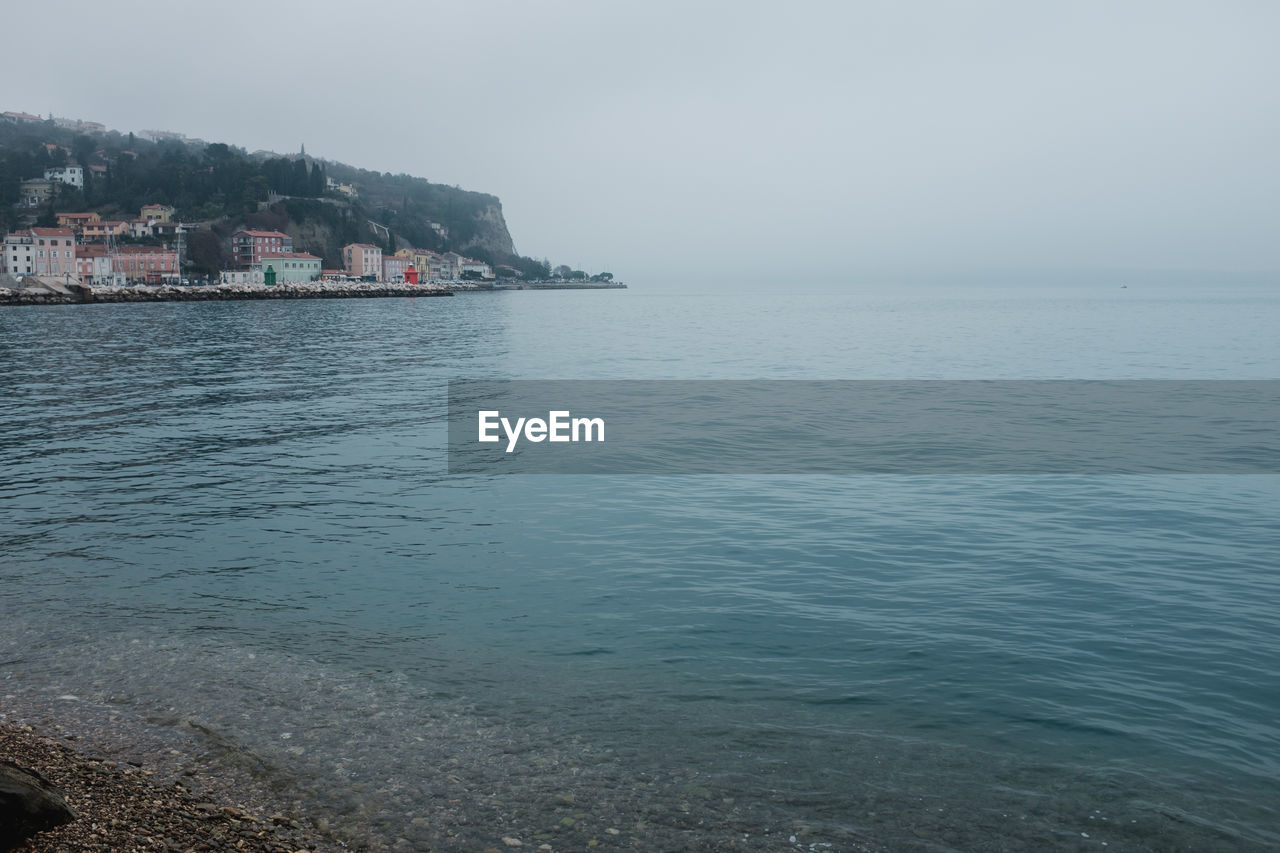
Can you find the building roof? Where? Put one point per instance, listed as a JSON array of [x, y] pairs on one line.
[[53, 232], [260, 233], [144, 250], [295, 255], [362, 246]]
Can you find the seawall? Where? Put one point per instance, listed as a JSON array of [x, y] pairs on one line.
[[78, 294]]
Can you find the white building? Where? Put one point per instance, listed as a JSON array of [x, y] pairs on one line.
[[72, 175], [249, 276], [479, 268], [19, 254]]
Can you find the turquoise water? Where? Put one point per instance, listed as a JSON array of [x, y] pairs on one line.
[[229, 526]]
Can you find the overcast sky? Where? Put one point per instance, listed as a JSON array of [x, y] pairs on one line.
[[658, 139]]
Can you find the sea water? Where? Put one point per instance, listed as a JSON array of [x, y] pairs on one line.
[[228, 534]]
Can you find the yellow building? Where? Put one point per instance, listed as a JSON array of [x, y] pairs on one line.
[[157, 213], [421, 260]]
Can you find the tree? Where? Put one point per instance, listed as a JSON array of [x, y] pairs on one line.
[[301, 184], [205, 252], [256, 189], [317, 183], [562, 271], [82, 147]]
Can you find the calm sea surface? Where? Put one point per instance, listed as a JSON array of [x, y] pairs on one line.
[[228, 530]]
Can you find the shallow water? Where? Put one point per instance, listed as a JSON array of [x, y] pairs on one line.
[[225, 524]]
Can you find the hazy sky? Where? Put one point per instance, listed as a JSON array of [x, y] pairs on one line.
[[656, 139]]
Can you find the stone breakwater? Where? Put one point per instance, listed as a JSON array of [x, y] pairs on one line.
[[79, 294]]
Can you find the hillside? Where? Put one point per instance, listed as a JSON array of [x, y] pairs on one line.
[[219, 188]]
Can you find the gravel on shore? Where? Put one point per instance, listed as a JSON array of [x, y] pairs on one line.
[[122, 808]]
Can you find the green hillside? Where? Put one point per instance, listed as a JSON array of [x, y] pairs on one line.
[[221, 188]]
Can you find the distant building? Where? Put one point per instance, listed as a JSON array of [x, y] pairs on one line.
[[156, 213], [292, 266], [70, 175], [76, 221], [21, 118], [362, 260], [346, 189], [248, 247], [99, 231], [140, 228], [162, 136], [35, 192]]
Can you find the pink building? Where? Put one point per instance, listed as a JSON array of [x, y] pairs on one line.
[[363, 260], [151, 264], [55, 251], [248, 247]]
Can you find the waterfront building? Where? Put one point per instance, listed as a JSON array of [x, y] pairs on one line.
[[394, 266], [93, 265], [475, 268], [249, 276], [418, 259], [150, 264], [19, 254], [362, 260], [40, 251], [248, 247], [292, 266]]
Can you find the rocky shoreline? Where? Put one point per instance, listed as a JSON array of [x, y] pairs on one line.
[[48, 292], [122, 806]]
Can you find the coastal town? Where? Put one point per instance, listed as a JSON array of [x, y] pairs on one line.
[[80, 218], [87, 249]]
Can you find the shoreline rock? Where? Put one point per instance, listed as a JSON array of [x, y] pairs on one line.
[[29, 804]]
